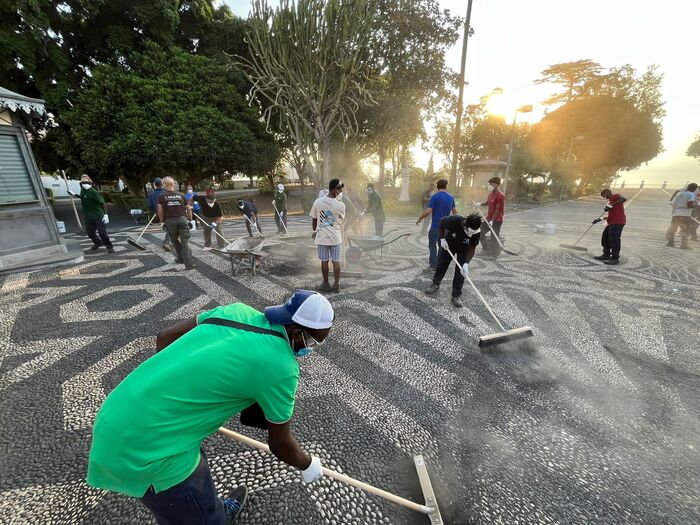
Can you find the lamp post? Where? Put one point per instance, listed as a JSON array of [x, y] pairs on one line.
[[527, 108]]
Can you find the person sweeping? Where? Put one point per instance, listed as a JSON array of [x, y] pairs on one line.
[[147, 436], [461, 235], [612, 234], [95, 211], [376, 208], [280, 205]]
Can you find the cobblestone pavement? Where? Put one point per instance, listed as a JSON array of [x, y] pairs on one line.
[[599, 425]]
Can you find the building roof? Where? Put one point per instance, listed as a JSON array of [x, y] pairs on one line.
[[16, 102]]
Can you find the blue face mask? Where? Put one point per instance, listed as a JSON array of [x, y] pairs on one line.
[[309, 344]]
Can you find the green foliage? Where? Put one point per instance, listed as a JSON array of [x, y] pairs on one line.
[[404, 209], [573, 77], [170, 112], [694, 148]]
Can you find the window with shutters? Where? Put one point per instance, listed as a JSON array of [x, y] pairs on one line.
[[15, 180]]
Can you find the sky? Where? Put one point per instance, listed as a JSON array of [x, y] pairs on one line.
[[514, 40]]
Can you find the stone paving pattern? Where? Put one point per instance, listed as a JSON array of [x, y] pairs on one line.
[[598, 425]]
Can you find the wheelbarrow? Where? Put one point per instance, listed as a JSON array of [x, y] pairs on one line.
[[251, 249], [369, 244]]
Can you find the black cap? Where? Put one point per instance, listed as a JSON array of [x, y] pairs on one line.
[[335, 184]]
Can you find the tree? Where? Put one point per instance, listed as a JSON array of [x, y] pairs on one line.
[[694, 148], [614, 135], [573, 77], [169, 112], [309, 63]]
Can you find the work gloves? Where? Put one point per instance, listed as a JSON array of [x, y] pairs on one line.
[[596, 221], [105, 219], [476, 204], [465, 269], [313, 472], [443, 244], [608, 207], [213, 225]]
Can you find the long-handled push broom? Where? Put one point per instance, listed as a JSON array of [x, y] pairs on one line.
[[135, 243], [575, 245], [504, 336], [498, 240], [430, 508], [212, 229]]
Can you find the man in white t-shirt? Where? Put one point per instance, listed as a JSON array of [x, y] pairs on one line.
[[327, 215], [681, 215]]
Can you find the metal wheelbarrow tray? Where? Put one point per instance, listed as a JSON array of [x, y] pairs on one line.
[[368, 244], [250, 248]]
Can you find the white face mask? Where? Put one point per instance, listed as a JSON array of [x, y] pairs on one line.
[[492, 187], [339, 197], [370, 190], [86, 186], [280, 190], [471, 232]]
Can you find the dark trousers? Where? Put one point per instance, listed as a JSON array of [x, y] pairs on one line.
[[433, 245], [443, 263], [279, 222], [488, 243], [179, 231], [257, 223], [95, 227], [379, 225], [190, 502], [611, 240]]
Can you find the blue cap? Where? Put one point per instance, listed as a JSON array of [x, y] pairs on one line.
[[305, 308]]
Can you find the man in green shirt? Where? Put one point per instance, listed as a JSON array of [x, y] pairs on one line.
[[148, 433], [280, 205], [376, 208], [95, 211]]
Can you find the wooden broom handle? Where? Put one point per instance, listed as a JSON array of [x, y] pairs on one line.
[[335, 475]]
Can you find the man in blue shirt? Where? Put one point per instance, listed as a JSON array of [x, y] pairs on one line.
[[153, 206], [440, 205]]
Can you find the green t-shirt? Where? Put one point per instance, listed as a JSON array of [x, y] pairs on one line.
[[280, 201], [151, 426], [375, 205], [93, 203]]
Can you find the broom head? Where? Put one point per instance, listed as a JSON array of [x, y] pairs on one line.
[[509, 336], [573, 247], [135, 244]]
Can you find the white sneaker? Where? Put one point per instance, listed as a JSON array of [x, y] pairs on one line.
[[207, 249]]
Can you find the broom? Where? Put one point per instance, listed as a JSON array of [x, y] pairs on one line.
[[581, 248], [212, 229], [504, 336], [498, 240], [135, 243]]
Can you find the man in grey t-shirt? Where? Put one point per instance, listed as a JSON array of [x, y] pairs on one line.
[[682, 205]]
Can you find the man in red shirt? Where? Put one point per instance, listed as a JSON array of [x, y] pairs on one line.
[[613, 231], [496, 202]]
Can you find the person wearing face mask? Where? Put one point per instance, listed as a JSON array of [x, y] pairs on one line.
[[250, 213], [280, 202], [153, 206], [212, 213], [148, 434], [461, 235], [327, 217], [440, 205], [376, 208], [612, 234], [191, 197], [95, 211], [174, 211], [496, 203]]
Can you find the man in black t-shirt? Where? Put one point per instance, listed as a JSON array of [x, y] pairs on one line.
[[174, 211], [250, 211], [461, 235], [212, 213]]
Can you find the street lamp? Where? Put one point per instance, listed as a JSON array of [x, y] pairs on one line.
[[527, 108]]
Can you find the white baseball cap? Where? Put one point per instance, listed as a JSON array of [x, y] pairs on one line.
[[305, 308]]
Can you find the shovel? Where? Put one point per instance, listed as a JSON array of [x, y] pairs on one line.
[[430, 508], [504, 336], [212, 229]]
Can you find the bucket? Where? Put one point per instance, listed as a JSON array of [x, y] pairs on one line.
[[539, 228], [61, 226], [550, 229]]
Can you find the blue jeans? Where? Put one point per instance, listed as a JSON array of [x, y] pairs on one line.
[[433, 244], [190, 502]]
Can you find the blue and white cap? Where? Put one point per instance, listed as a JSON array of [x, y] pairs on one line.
[[305, 308]]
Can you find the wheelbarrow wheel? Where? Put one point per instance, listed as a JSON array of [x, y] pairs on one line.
[[353, 254]]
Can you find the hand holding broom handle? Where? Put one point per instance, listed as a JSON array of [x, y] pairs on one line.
[[144, 230], [280, 216], [498, 239], [498, 322], [423, 509], [212, 229]]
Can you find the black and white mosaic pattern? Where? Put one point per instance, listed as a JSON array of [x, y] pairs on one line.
[[598, 425]]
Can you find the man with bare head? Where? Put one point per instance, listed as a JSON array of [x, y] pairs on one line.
[[175, 213]]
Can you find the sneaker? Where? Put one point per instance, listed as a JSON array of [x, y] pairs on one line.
[[602, 257], [110, 250], [612, 261], [166, 247], [95, 247], [457, 302], [235, 503], [179, 261], [335, 288], [206, 249], [429, 269], [325, 287], [433, 288], [190, 267]]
